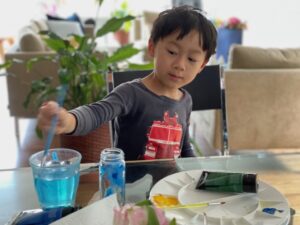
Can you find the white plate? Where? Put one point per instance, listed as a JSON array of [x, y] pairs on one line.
[[236, 206], [244, 208]]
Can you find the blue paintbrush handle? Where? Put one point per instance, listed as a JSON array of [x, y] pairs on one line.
[[50, 135], [60, 99]]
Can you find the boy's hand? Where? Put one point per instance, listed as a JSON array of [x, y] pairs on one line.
[[65, 121]]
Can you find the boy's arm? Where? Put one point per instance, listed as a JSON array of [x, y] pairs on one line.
[[91, 116], [72, 124]]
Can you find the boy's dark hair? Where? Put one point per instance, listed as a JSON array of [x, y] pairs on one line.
[[186, 18]]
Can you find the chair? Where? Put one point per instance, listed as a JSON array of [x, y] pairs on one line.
[[205, 90], [19, 84]]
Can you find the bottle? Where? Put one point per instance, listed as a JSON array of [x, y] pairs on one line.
[[228, 182], [112, 174]]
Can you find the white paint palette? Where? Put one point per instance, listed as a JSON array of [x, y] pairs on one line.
[[239, 209]]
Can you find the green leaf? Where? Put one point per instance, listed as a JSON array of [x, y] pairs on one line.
[[64, 76], [32, 61], [38, 132], [144, 202], [173, 222], [53, 35], [40, 88], [45, 95], [18, 61], [113, 24], [55, 44], [152, 218], [123, 53], [84, 44], [148, 66], [99, 2], [6, 65]]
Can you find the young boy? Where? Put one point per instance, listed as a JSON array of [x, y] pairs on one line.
[[152, 114]]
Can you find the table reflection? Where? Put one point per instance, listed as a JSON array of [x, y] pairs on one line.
[[281, 171]]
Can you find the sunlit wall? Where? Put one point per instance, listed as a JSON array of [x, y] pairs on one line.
[[271, 23]]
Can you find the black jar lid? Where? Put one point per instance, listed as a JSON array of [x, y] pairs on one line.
[[250, 183]]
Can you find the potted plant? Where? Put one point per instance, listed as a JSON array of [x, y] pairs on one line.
[[229, 32], [82, 74], [122, 35]]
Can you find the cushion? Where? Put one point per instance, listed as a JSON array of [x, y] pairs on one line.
[[73, 18], [40, 24], [65, 28], [30, 41], [263, 108], [34, 27], [245, 57]]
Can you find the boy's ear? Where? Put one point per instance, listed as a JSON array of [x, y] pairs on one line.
[[203, 65], [150, 48]]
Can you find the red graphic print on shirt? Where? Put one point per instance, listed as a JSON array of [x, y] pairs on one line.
[[164, 138]]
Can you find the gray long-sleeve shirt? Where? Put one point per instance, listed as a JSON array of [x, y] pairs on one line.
[[143, 120]]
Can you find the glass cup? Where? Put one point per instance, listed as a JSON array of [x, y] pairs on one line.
[[56, 182]]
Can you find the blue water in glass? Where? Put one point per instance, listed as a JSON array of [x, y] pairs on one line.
[[112, 179], [56, 189]]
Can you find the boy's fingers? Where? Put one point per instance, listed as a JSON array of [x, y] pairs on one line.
[[46, 113], [48, 109], [44, 103]]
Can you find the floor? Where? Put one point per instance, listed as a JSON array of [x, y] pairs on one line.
[[14, 154]]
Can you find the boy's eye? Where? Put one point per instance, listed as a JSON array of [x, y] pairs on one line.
[[192, 59], [171, 52]]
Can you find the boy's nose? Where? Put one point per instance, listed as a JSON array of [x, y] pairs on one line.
[[179, 63]]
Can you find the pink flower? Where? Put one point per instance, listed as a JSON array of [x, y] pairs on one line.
[[234, 21], [137, 215]]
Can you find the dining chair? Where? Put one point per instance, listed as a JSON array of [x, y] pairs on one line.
[[206, 92]]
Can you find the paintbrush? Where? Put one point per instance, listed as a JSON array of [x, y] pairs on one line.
[[60, 99], [192, 205]]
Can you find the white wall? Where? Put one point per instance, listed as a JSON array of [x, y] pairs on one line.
[[271, 23], [13, 14]]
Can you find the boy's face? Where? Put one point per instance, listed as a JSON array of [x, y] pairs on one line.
[[177, 62]]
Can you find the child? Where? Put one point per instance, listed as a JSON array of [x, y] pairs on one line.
[[152, 114]]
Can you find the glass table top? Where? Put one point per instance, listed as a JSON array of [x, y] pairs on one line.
[[282, 171]]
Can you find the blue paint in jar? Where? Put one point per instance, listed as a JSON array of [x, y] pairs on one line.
[[112, 174]]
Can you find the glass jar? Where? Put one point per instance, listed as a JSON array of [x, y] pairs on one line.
[[112, 174]]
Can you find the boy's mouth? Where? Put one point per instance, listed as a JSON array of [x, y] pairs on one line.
[[175, 77]]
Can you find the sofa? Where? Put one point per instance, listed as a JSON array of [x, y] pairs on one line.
[[262, 89], [262, 98]]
